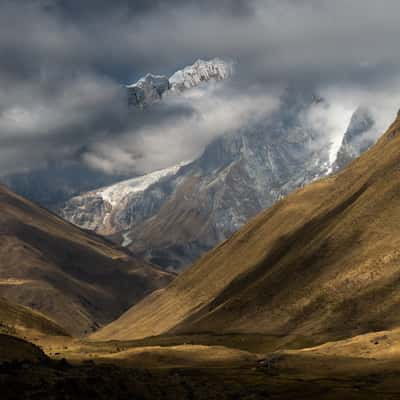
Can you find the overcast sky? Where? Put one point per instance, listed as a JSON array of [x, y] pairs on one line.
[[64, 63]]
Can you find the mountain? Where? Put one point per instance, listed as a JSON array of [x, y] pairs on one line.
[[76, 278], [147, 90], [178, 218], [323, 262], [356, 139], [151, 88]]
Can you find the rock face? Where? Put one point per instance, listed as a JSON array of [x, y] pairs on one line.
[[236, 177], [355, 140]]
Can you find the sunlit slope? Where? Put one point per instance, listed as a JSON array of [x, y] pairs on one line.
[[323, 262], [76, 278]]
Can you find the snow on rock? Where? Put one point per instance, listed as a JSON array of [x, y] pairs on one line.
[[151, 88], [357, 138], [115, 193], [99, 210], [147, 90], [201, 71]]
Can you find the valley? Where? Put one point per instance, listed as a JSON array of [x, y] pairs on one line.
[[199, 200], [299, 302]]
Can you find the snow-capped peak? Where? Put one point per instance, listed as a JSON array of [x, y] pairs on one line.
[[201, 71], [149, 78], [151, 88]]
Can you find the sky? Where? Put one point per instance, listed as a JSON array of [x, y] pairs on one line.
[[64, 65]]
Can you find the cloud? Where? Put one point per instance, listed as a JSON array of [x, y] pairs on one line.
[[64, 65], [210, 111]]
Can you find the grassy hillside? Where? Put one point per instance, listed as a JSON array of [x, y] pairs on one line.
[[22, 321], [322, 263], [78, 279]]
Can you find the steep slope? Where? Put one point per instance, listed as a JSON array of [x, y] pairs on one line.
[[76, 278], [323, 262]]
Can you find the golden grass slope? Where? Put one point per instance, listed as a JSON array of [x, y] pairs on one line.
[[323, 262], [78, 279]]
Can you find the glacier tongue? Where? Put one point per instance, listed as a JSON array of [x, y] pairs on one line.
[[114, 194], [98, 210]]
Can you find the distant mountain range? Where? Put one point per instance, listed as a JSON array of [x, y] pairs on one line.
[[184, 211]]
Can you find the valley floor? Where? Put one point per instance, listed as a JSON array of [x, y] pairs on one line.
[[205, 367]]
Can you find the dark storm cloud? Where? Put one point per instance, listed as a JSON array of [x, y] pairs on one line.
[[76, 9], [64, 63]]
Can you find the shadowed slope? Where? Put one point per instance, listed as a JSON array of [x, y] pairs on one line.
[[22, 321], [322, 262], [14, 349], [78, 279]]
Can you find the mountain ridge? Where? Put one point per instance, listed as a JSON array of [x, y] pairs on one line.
[[78, 279], [152, 88]]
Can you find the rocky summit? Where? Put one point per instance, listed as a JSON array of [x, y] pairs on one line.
[[151, 88]]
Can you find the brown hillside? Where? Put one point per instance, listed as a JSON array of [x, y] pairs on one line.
[[78, 279], [324, 261], [22, 321]]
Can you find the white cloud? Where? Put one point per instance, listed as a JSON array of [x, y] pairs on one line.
[[214, 112]]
